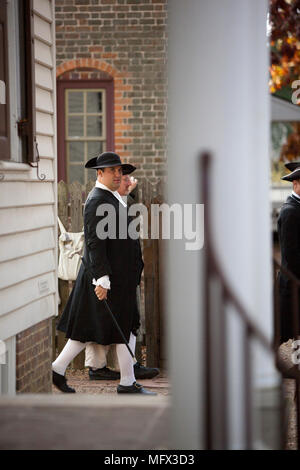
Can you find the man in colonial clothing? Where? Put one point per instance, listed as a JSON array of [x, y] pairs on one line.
[[116, 262], [96, 354], [289, 238]]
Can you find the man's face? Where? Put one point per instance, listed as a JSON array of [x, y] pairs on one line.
[[111, 177], [296, 186], [124, 186]]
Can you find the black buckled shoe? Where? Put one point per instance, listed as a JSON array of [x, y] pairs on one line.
[[60, 382], [103, 374], [141, 372], [134, 388]]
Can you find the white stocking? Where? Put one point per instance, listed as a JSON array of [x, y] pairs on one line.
[[126, 361], [71, 350]]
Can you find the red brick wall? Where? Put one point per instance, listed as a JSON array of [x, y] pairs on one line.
[[127, 40], [33, 358]]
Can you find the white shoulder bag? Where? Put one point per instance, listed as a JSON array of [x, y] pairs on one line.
[[70, 251]]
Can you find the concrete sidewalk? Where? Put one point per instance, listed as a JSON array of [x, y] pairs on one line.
[[82, 421], [95, 418]]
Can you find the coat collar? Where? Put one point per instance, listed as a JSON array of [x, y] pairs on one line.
[[109, 196], [294, 201], [115, 193]]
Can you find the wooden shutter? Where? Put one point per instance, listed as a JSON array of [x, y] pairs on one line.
[[27, 125], [4, 82], [30, 79]]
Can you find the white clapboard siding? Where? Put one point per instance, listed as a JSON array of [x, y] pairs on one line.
[[44, 124], [42, 53], [18, 270], [24, 293], [26, 243], [43, 8], [22, 219], [42, 29], [43, 77], [45, 145], [25, 194], [28, 224], [46, 168], [26, 316], [43, 100]]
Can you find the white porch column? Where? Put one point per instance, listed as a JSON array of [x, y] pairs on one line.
[[218, 100]]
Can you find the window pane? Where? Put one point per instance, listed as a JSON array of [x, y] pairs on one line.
[[91, 174], [94, 101], [94, 148], [75, 101], [76, 151], [94, 126], [75, 126], [76, 173]]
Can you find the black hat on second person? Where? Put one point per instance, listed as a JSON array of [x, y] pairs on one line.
[[294, 167], [109, 159]]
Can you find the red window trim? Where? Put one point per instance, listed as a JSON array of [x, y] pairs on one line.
[[62, 85]]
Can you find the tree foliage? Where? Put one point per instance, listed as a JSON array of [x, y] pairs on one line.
[[284, 20]]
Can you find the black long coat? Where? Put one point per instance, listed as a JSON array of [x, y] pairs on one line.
[[85, 318], [289, 238]]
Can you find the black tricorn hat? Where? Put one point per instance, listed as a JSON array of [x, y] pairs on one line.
[[292, 165], [295, 175], [109, 159]]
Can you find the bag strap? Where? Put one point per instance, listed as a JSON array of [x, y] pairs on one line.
[[62, 228]]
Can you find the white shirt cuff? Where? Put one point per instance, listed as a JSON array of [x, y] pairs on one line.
[[102, 281]]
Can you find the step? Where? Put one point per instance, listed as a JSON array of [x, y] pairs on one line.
[[85, 422]]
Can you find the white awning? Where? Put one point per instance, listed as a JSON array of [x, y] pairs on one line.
[[282, 110]]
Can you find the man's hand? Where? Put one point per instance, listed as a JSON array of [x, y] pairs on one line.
[[100, 292], [133, 185]]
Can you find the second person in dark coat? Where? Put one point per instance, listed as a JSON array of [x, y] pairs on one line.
[[289, 238]]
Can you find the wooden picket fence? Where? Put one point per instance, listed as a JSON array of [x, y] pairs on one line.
[[71, 199]]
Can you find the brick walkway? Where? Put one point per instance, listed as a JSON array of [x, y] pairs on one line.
[[79, 380]]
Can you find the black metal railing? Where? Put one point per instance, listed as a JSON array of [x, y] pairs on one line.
[[218, 297]]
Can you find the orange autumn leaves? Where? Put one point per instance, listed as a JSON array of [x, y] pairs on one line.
[[284, 23], [290, 150]]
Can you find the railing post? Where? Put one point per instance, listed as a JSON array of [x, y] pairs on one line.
[[213, 272], [276, 339], [247, 388], [204, 166]]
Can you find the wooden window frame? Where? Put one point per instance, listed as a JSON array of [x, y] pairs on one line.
[[62, 85], [84, 139]]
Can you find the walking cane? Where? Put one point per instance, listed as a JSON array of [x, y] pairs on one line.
[[111, 315]]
